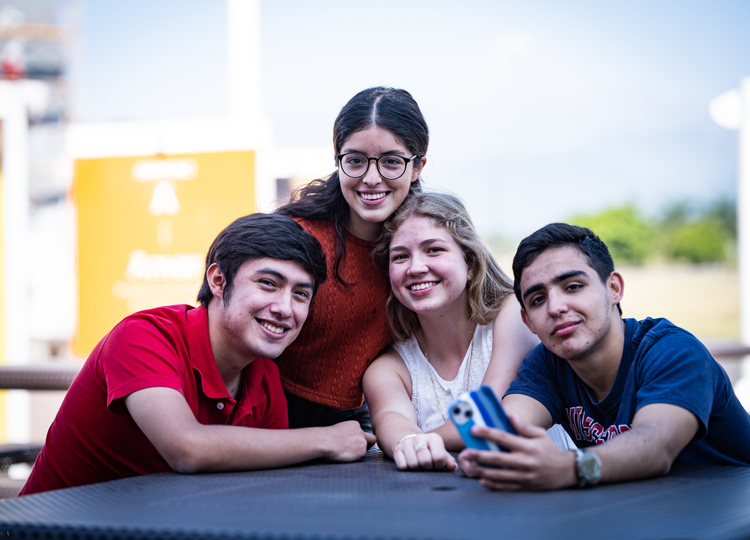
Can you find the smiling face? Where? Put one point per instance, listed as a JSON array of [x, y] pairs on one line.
[[372, 198], [427, 268], [269, 302], [567, 305]]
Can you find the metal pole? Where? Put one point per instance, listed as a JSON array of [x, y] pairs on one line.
[[743, 223], [13, 111]]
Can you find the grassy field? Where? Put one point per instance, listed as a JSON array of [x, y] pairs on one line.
[[703, 299]]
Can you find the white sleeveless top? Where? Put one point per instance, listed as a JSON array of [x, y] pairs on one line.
[[423, 395]]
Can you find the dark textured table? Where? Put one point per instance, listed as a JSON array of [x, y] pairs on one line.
[[371, 499]]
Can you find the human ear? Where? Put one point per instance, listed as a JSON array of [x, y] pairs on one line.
[[216, 280], [417, 170], [526, 321], [616, 287]]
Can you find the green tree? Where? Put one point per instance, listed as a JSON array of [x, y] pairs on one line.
[[676, 215], [725, 212], [630, 237], [698, 234], [702, 241]]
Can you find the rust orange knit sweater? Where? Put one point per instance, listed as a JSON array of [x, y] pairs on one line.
[[344, 331]]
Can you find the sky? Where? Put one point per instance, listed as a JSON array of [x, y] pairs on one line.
[[538, 110]]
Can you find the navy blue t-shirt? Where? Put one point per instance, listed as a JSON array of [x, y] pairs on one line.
[[661, 363]]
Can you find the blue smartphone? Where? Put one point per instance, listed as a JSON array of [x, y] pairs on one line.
[[479, 407]]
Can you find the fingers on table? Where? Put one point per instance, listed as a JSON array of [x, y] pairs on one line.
[[421, 453]]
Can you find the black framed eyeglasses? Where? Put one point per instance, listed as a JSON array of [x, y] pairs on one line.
[[390, 167]]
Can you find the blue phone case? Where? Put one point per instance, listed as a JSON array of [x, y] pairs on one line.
[[479, 407]]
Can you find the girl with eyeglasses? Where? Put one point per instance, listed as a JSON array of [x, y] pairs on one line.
[[457, 325], [380, 140]]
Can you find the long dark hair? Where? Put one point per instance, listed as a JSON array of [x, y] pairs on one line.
[[389, 108]]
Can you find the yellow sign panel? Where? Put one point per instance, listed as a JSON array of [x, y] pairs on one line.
[[144, 227]]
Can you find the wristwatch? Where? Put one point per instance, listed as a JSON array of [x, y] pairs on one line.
[[588, 468]]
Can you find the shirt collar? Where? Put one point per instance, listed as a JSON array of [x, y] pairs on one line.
[[203, 361], [252, 390], [201, 355]]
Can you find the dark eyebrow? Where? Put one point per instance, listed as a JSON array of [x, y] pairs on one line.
[[555, 280], [386, 153], [568, 275], [281, 277]]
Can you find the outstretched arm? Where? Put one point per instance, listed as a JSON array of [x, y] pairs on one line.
[[659, 432], [512, 341], [387, 387], [189, 446]]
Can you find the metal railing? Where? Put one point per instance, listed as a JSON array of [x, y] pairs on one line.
[[52, 376]]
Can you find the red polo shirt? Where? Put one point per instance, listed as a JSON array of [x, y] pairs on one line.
[[94, 439]]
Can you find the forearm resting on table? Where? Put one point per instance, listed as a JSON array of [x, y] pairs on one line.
[[660, 432], [391, 427], [188, 446], [401, 439]]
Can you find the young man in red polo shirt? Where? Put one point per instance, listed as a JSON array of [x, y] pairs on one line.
[[193, 389]]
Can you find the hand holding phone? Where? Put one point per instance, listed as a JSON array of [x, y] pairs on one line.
[[479, 408]]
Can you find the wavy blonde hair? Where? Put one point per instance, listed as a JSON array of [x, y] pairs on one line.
[[489, 287]]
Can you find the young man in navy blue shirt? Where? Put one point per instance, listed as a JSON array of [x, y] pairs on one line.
[[634, 396]]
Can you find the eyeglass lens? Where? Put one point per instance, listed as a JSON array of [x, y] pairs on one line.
[[389, 166]]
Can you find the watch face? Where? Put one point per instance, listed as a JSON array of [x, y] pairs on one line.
[[589, 468]]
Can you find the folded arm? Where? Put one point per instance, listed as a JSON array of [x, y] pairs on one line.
[[189, 446]]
